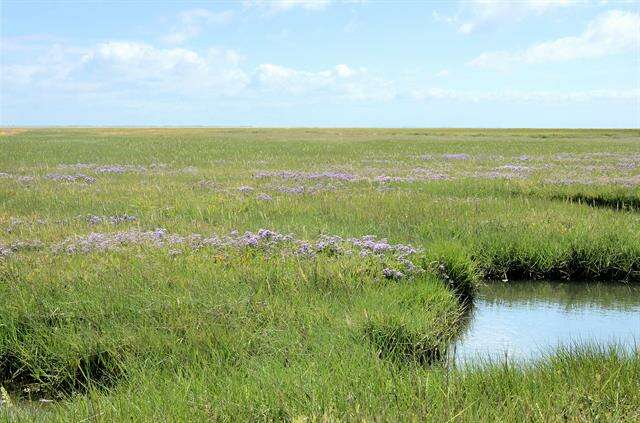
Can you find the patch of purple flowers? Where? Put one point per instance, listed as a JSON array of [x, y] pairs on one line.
[[392, 274], [208, 184], [264, 197], [7, 250], [264, 240], [299, 175], [78, 177], [114, 220], [25, 179], [456, 156], [112, 168], [245, 189]]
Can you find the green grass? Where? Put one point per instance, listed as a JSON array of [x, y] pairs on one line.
[[146, 334]]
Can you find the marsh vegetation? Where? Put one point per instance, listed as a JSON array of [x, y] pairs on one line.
[[271, 274]]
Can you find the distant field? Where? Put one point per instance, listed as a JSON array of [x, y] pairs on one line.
[[269, 274]]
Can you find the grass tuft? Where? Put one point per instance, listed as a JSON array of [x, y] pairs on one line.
[[455, 266]]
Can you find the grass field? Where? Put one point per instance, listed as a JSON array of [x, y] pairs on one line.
[[302, 274]]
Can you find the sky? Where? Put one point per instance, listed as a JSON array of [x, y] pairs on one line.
[[528, 63]]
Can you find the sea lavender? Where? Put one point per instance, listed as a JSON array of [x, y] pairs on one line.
[[265, 240], [392, 274], [456, 156], [298, 175], [78, 177], [114, 220]]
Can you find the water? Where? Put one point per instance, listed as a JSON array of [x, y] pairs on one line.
[[525, 320]]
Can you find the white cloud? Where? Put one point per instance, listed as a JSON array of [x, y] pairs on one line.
[[273, 7], [515, 96], [475, 15], [51, 62], [344, 71], [190, 24], [341, 80], [443, 73], [174, 69], [610, 33], [137, 68], [294, 81], [277, 6]]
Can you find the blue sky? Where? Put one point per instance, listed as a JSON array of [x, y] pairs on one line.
[[553, 63]]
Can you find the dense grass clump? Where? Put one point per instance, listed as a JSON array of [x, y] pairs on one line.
[[620, 202], [601, 257], [135, 283], [407, 329], [453, 264]]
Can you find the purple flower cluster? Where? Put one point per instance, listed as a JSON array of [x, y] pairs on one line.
[[7, 250], [456, 156], [514, 168], [114, 220], [427, 174], [392, 274], [292, 190], [417, 174], [627, 165], [298, 175], [245, 189], [302, 189], [118, 169], [208, 184], [77, 166], [369, 243], [192, 170], [264, 197], [78, 177], [25, 179], [366, 246], [101, 241], [264, 240], [385, 179], [113, 168]]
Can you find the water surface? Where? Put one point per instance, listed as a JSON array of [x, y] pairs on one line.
[[524, 320]]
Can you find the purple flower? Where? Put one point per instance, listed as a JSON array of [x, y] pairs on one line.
[[456, 156], [305, 249], [4, 251], [94, 220], [78, 177], [392, 274], [159, 233], [298, 175]]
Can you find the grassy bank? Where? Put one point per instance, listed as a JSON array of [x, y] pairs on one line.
[[130, 289], [572, 385]]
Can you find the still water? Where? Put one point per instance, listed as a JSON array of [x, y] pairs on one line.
[[522, 321]]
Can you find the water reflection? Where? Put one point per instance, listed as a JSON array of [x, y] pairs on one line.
[[524, 320]]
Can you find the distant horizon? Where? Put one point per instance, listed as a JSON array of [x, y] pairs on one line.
[[321, 63], [315, 127]]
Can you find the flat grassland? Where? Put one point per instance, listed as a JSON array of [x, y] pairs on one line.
[[302, 274]]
